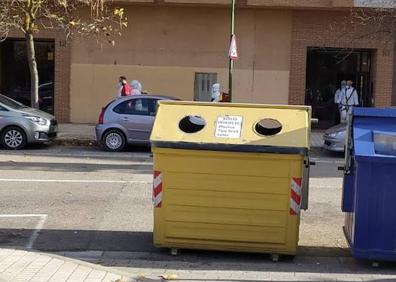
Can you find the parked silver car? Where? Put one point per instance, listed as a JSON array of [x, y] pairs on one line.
[[127, 120], [20, 125], [334, 138]]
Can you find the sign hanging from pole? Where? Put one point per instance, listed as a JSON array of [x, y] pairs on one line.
[[233, 52]]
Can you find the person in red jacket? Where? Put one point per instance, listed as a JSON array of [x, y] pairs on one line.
[[124, 88]]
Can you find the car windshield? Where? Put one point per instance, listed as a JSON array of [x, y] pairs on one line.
[[11, 103]]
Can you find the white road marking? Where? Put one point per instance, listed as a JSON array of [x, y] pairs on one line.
[[39, 226], [36, 231], [314, 181], [74, 181], [22, 215], [81, 155]]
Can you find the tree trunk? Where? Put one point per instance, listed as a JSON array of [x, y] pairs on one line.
[[34, 77]]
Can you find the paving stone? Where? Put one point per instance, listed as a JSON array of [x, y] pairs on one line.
[[10, 260], [23, 266], [110, 277], [19, 266], [96, 274], [79, 274], [64, 272], [45, 273]]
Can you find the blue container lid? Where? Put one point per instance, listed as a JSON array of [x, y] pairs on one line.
[[385, 143], [375, 112], [370, 121]]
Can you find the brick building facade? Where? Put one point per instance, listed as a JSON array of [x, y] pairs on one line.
[[172, 46], [314, 29]]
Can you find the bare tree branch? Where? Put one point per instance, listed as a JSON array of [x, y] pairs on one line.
[[379, 23]]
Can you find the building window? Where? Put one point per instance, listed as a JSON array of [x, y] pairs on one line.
[[202, 86]]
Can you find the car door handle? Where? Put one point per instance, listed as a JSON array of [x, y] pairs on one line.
[[124, 118]]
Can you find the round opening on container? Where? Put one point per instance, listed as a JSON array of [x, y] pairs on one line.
[[268, 127], [192, 124]]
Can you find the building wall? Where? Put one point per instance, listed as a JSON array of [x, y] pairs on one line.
[[168, 41], [267, 3], [393, 102], [317, 4], [164, 46], [331, 29]]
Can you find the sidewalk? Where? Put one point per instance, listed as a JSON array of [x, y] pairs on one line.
[[220, 267], [84, 135], [98, 266], [21, 265]]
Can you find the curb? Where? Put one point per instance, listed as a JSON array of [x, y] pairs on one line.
[[75, 142], [92, 142]]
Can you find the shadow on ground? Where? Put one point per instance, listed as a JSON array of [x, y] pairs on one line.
[[316, 151], [47, 146]]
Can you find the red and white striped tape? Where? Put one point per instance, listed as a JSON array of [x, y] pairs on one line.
[[157, 189], [295, 195]]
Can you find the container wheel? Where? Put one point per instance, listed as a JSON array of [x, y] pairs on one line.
[[174, 251], [275, 257]]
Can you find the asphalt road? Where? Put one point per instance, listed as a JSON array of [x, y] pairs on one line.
[[70, 199]]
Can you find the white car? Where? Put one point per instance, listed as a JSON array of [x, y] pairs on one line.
[[334, 138]]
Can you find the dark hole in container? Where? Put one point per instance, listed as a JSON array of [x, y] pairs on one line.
[[192, 124], [268, 127]]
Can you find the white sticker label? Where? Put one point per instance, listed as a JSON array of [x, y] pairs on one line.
[[228, 127]]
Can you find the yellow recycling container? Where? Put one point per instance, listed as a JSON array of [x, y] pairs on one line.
[[230, 177]]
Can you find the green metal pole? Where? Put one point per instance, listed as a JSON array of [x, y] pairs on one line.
[[231, 62]]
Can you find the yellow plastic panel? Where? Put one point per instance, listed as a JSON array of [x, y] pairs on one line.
[[295, 122], [226, 201]]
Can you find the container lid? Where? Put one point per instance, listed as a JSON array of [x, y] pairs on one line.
[[233, 127], [374, 132], [385, 143], [375, 112]]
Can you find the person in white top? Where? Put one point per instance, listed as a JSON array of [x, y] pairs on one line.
[[337, 96], [216, 94], [347, 100], [338, 93], [136, 87]]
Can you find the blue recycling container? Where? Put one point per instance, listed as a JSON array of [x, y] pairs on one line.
[[348, 191], [369, 192]]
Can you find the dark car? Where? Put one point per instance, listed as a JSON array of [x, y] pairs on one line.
[[46, 96]]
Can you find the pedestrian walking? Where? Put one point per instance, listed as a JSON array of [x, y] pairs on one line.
[[216, 94], [348, 99], [136, 87], [123, 87], [337, 99]]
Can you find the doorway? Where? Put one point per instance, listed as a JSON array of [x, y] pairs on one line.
[[326, 68], [15, 75]]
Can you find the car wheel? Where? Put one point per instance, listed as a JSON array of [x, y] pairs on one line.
[[13, 138], [113, 141]]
